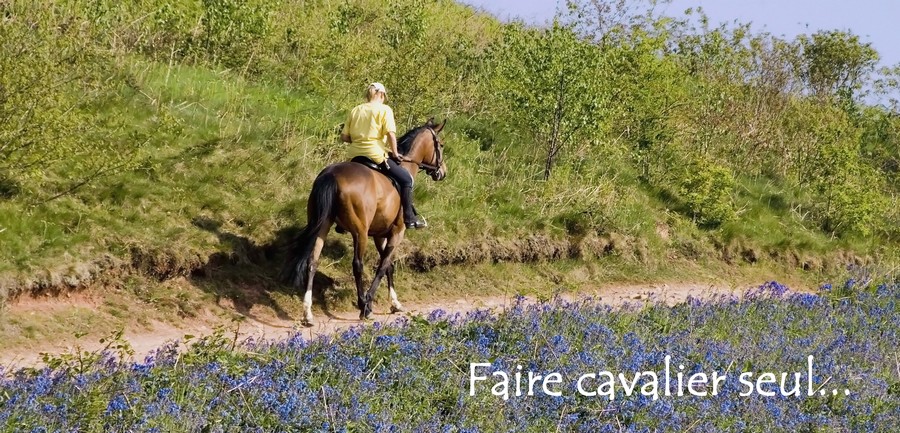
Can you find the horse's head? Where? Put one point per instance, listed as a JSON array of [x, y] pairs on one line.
[[424, 147]]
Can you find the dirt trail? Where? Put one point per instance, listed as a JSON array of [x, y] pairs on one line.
[[145, 342]]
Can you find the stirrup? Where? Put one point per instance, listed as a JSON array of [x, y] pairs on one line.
[[418, 223]]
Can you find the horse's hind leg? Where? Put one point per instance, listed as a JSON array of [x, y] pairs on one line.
[[313, 264], [359, 253]]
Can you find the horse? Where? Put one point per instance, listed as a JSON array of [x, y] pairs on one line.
[[363, 203]]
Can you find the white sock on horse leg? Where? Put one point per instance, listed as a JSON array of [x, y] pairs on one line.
[[307, 305], [394, 301]]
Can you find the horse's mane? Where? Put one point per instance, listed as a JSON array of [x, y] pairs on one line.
[[404, 143]]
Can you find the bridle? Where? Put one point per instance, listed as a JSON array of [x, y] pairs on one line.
[[430, 169]]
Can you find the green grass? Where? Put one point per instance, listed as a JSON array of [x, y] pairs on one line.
[[228, 162], [225, 158]]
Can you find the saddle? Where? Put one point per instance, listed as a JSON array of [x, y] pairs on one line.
[[377, 167]]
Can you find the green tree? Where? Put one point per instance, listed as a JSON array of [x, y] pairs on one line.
[[887, 88], [550, 81], [606, 22], [836, 63], [849, 192]]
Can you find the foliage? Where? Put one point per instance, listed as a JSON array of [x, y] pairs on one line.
[[706, 189], [232, 29], [129, 121], [414, 376], [851, 191], [551, 83], [52, 79], [836, 62], [887, 88]]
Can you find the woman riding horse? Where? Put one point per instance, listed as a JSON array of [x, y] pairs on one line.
[[363, 202], [367, 128]]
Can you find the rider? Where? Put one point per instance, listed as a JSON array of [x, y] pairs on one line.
[[368, 129]]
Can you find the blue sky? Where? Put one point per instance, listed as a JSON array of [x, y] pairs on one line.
[[876, 21]]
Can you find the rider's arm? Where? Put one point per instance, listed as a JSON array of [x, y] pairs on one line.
[[390, 130], [392, 140]]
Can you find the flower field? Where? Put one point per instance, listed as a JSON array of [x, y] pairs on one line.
[[416, 375]]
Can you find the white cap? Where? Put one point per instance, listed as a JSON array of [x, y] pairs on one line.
[[379, 87]]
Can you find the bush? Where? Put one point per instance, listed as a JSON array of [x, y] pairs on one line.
[[851, 193], [706, 189]]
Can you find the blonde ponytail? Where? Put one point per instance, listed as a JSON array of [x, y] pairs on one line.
[[371, 92]]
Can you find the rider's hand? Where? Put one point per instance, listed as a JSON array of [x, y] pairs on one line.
[[395, 157]]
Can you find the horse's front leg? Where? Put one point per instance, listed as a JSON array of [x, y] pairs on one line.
[[396, 306], [385, 248]]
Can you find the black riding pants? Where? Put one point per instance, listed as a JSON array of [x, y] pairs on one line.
[[400, 174]]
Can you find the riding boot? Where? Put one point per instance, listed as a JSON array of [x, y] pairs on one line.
[[412, 220]]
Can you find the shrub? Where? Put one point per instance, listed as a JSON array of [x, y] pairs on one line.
[[706, 189]]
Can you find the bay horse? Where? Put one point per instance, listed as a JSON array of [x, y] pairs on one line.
[[363, 203]]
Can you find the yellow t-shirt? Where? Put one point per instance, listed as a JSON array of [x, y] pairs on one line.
[[368, 126]]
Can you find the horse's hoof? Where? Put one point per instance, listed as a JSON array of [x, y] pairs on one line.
[[307, 323], [395, 309]]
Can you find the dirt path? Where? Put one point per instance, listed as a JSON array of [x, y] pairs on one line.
[[145, 342]]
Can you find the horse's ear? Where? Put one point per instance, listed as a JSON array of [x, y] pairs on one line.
[[430, 122], [441, 127]]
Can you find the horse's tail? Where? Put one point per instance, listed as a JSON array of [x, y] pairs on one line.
[[320, 212]]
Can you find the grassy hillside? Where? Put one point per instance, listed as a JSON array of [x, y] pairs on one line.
[[155, 138]]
